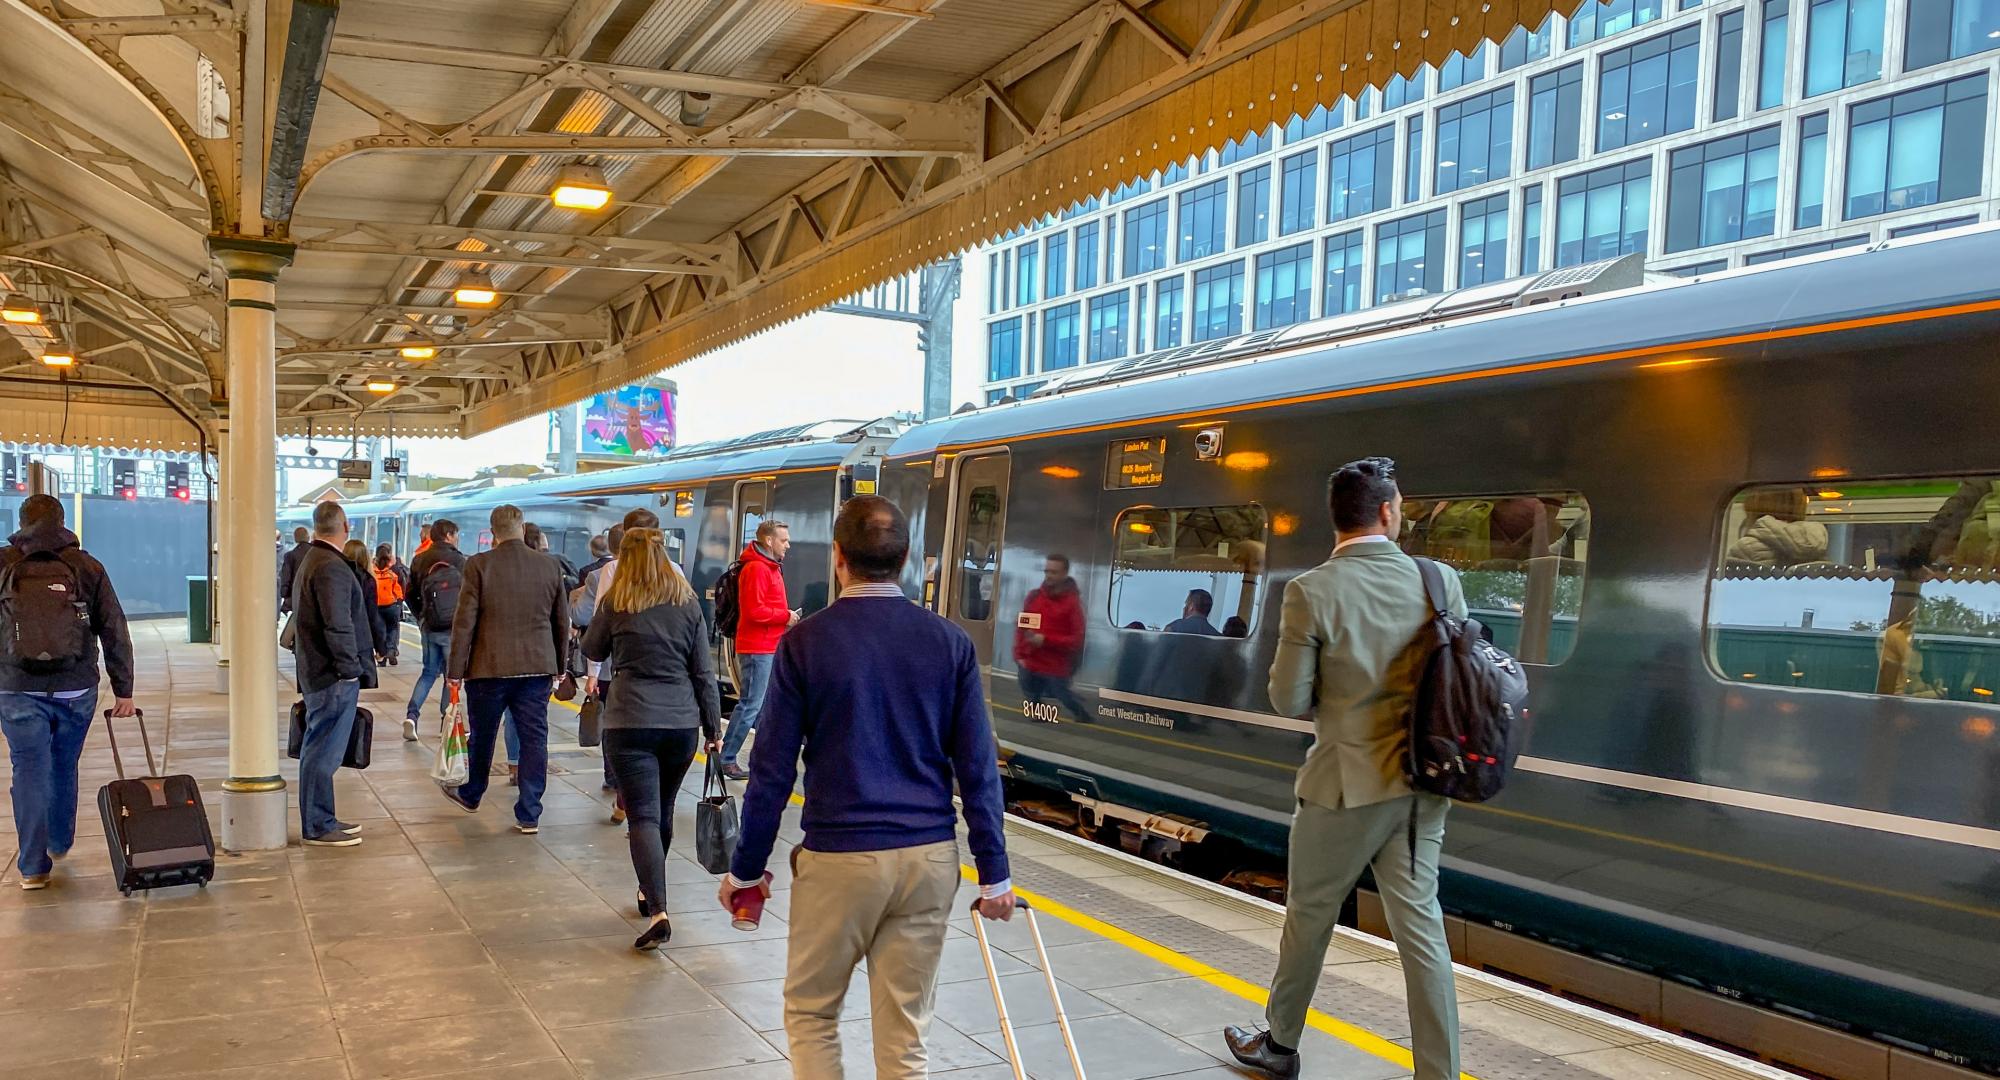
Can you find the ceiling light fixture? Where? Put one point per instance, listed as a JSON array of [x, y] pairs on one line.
[[20, 310], [379, 385], [581, 187], [419, 352], [475, 289], [58, 355]]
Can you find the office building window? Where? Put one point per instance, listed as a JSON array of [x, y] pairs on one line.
[[995, 282], [1298, 186], [1364, 104], [1821, 248], [1055, 272], [1934, 226], [1059, 334], [1218, 301], [1146, 238], [1647, 90], [1843, 44], [1360, 173], [1253, 205], [1107, 326], [1812, 172], [1916, 148], [1771, 54], [1111, 248], [1284, 287], [1712, 266], [1086, 255], [1003, 350], [1404, 90], [1475, 140], [1555, 116], [1531, 230], [1940, 30], [1729, 65], [1460, 69], [1343, 274], [1413, 160], [1027, 272], [1482, 241], [1169, 303], [1318, 122], [1525, 46], [1204, 220], [1601, 214], [1723, 191], [1248, 146], [1595, 21], [1409, 256]]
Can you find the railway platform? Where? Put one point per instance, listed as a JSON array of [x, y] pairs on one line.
[[447, 945]]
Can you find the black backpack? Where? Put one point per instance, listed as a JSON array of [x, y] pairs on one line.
[[442, 583], [728, 604], [1468, 719], [44, 616]]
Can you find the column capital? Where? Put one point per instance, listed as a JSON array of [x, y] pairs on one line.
[[250, 257]]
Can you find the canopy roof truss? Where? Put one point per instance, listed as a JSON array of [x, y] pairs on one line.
[[767, 158]]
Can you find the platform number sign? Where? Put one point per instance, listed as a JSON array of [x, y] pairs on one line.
[[1136, 463]]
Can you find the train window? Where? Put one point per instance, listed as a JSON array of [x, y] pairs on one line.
[[1881, 586], [752, 503], [1188, 570], [982, 513], [1520, 559]]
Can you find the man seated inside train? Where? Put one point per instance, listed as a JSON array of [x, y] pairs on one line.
[[1194, 615]]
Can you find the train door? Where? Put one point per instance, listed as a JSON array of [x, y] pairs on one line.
[[753, 504], [973, 545]]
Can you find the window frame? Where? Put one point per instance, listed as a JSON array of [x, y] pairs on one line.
[[1568, 495], [1262, 582]]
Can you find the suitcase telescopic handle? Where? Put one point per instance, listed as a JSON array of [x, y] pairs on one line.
[[111, 731], [1000, 1001]]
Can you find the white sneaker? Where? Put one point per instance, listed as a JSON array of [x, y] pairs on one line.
[[409, 731], [34, 881]]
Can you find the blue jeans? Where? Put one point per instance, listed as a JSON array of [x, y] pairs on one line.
[[756, 671], [437, 650], [511, 735], [45, 739], [329, 726], [526, 700]]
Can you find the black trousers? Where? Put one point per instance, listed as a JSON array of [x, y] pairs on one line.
[[649, 764]]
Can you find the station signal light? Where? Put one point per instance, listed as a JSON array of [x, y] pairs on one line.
[[125, 477], [177, 481], [19, 310], [581, 187]]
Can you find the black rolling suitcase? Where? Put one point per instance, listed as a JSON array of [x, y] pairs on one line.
[[155, 825]]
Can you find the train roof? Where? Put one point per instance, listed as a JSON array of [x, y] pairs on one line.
[[1498, 329]]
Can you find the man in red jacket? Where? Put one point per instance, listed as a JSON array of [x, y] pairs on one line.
[[762, 616], [1048, 642]]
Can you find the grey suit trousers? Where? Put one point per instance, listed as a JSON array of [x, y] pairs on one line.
[[1329, 848]]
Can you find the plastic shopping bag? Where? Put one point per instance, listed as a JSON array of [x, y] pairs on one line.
[[454, 758], [715, 822]]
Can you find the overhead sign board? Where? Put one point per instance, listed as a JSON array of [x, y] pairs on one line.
[[356, 469], [1136, 463]]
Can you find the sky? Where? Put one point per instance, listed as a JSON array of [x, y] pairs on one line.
[[821, 367]]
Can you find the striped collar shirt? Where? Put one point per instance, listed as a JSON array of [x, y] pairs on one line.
[[871, 589]]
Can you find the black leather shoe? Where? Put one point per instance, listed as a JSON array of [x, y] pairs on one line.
[[1252, 1048]]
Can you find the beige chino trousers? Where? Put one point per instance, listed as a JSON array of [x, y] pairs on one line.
[[890, 907]]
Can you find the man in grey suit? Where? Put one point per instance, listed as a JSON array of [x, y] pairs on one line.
[[1344, 656]]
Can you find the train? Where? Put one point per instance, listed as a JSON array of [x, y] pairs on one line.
[[1742, 529]]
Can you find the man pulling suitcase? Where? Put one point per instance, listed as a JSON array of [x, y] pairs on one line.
[[57, 611]]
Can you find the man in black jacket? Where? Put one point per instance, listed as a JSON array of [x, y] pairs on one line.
[[46, 703], [433, 622], [336, 661], [288, 570]]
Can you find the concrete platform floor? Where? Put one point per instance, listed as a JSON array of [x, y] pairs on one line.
[[448, 946]]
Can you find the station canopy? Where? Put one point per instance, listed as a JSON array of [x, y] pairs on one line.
[[758, 159]]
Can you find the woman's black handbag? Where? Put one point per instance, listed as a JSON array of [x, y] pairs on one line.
[[588, 729], [715, 823]]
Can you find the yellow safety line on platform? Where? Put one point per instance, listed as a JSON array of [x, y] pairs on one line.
[[1357, 1037]]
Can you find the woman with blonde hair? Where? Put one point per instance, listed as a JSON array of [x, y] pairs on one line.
[[662, 702]]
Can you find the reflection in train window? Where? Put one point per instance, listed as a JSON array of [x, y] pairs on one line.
[[1520, 558], [1887, 587], [1188, 570]]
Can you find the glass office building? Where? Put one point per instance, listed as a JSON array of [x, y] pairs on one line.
[[1706, 135]]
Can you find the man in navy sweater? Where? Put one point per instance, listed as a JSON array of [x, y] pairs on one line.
[[885, 699]]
